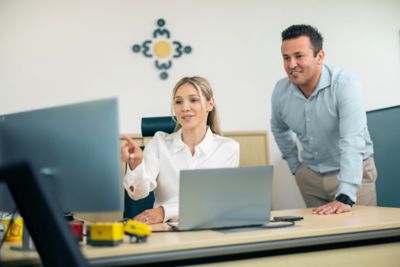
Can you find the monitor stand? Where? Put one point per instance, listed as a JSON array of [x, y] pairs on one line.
[[27, 242], [50, 232]]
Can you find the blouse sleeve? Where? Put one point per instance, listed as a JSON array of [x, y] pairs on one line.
[[144, 177]]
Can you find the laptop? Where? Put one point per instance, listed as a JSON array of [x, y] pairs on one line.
[[224, 198]]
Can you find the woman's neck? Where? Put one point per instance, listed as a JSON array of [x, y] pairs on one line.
[[193, 137]]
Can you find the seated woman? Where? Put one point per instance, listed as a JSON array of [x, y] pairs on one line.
[[195, 144]]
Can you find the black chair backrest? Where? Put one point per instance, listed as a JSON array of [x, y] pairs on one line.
[[151, 125]]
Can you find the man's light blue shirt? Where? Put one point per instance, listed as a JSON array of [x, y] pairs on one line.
[[330, 124]]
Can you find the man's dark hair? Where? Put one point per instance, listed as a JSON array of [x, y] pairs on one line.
[[295, 31]]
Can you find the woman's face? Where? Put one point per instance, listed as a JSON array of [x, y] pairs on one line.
[[191, 109]]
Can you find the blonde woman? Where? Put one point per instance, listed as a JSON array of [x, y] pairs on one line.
[[195, 144]]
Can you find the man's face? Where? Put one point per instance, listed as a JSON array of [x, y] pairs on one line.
[[302, 68]]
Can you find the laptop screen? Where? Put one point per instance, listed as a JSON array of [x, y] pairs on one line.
[[225, 197]]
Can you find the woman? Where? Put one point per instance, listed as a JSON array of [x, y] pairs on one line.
[[196, 143]]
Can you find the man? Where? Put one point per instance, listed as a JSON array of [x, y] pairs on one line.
[[323, 107]]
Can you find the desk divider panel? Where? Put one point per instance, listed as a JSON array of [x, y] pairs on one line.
[[384, 127]]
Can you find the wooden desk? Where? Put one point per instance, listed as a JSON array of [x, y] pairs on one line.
[[385, 255], [363, 224]]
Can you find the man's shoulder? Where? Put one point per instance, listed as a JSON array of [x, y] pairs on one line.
[[338, 74], [281, 87], [282, 83], [344, 84]]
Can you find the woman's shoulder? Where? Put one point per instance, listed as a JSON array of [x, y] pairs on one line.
[[226, 141], [160, 139], [162, 135]]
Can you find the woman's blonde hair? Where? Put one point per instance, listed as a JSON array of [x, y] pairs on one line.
[[203, 87]]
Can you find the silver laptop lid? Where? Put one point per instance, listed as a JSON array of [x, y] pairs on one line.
[[225, 197]]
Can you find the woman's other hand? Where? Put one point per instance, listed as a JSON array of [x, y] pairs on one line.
[[151, 216]]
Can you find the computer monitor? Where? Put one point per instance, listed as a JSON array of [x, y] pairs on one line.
[[6, 202], [72, 149]]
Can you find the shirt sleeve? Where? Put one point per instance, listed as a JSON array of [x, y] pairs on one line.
[[352, 125], [284, 137], [171, 210], [143, 178]]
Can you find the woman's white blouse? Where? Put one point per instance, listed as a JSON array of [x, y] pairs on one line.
[[165, 155]]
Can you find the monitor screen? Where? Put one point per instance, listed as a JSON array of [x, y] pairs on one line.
[[73, 149]]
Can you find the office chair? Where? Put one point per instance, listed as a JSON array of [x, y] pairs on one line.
[[149, 127]]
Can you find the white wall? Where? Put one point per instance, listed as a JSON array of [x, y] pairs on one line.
[[57, 52]]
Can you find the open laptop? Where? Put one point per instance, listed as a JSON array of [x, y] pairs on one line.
[[224, 197]]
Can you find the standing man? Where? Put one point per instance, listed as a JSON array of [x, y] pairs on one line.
[[323, 107]]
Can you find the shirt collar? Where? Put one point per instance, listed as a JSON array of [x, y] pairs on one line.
[[324, 82], [204, 146]]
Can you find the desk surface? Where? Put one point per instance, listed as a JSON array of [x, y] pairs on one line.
[[363, 223]]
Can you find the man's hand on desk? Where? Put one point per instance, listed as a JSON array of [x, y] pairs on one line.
[[334, 207], [151, 216]]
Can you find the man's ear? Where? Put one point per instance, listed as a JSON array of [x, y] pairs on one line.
[[320, 56]]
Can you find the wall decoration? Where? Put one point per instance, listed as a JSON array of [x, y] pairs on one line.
[[162, 49]]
